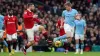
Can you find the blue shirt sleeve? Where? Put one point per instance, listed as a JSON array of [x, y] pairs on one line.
[[76, 11], [63, 14], [2, 18], [84, 22]]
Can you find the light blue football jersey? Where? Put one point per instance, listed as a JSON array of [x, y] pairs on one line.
[[69, 16], [1, 21], [80, 26]]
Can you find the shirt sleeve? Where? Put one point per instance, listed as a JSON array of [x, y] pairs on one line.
[[84, 23], [5, 22], [16, 22], [37, 20], [26, 16], [76, 12], [3, 18], [63, 14], [57, 24]]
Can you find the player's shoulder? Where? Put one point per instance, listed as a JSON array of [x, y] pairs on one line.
[[1, 16], [74, 10], [5, 16], [25, 11], [58, 21], [75, 20], [64, 11], [14, 16], [83, 20]]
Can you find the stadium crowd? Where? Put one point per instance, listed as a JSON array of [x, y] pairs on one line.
[[50, 12]]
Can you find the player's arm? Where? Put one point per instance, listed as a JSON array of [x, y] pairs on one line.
[[76, 12], [5, 22], [37, 20], [57, 24], [63, 14], [16, 22], [85, 27], [62, 22]]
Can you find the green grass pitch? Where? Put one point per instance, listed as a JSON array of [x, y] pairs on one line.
[[53, 54]]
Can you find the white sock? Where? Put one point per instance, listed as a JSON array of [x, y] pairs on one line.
[[81, 50], [77, 50]]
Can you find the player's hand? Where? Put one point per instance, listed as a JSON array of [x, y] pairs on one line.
[[35, 16], [61, 27]]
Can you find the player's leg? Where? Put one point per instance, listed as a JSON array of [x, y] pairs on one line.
[[30, 34], [68, 34], [82, 44], [41, 29], [14, 42], [77, 43], [4, 42], [60, 37], [9, 41], [65, 42]]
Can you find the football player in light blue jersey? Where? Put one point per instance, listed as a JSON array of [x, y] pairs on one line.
[[69, 18], [69, 15], [80, 29], [1, 30]]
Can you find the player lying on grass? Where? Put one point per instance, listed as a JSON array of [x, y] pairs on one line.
[[80, 29], [29, 19]]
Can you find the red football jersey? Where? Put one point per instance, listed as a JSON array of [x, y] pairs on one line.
[[61, 32], [10, 24], [28, 19]]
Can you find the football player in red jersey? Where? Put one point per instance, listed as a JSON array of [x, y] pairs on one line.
[[29, 19], [60, 24], [10, 22]]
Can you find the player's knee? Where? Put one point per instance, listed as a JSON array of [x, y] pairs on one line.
[[77, 41], [14, 40], [41, 28]]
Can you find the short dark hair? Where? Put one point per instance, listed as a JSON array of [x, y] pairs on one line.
[[68, 4], [29, 4]]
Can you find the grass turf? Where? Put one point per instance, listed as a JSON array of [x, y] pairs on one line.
[[53, 54]]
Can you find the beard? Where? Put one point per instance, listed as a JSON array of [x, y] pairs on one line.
[[10, 14]]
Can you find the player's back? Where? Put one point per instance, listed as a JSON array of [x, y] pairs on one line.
[[69, 16]]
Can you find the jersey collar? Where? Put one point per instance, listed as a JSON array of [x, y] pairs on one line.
[[70, 10], [10, 16]]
